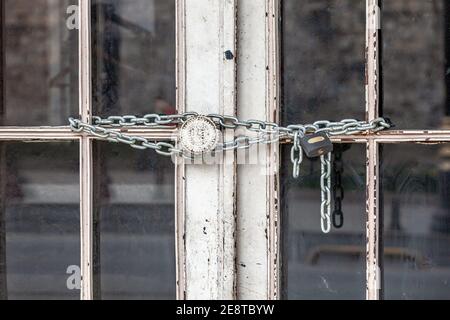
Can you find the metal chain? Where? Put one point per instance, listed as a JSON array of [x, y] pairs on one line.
[[149, 120], [325, 192], [136, 142], [296, 155], [267, 133], [98, 130], [344, 127], [338, 190]]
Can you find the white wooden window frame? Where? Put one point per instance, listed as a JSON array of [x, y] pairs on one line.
[[372, 142], [238, 257]]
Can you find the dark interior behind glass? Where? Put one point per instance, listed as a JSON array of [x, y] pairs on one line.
[[416, 206], [323, 74], [323, 59], [39, 221], [134, 223], [415, 62], [133, 57], [39, 72]]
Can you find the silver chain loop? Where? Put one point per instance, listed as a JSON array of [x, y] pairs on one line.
[[325, 193], [296, 155], [111, 135], [268, 133]]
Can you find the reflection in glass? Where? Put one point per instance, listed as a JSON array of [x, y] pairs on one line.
[[134, 222], [134, 57], [317, 265], [416, 193], [415, 66], [40, 56], [323, 60], [40, 234]]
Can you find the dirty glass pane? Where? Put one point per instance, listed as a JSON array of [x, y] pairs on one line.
[[416, 38], [416, 206], [134, 224], [317, 265], [39, 48], [39, 221], [323, 50], [133, 57]]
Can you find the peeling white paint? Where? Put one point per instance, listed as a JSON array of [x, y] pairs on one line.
[[209, 212]]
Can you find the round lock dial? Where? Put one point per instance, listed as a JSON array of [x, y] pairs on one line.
[[199, 135]]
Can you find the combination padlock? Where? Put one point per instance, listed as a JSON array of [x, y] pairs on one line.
[[316, 144]]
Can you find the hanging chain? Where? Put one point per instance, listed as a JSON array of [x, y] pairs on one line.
[[325, 192], [338, 189], [267, 133]]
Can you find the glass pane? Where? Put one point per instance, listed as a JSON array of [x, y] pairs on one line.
[[134, 57], [40, 52], [135, 231], [416, 194], [416, 62], [317, 265], [323, 60], [40, 234]]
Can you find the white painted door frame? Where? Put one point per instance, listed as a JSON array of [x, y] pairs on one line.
[[205, 205], [227, 214], [224, 241], [257, 192]]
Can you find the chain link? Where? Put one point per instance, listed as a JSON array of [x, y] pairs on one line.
[[325, 193], [295, 132], [149, 120], [98, 130], [267, 133], [338, 189], [296, 155], [136, 142]]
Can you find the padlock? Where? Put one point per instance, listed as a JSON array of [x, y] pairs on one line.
[[316, 144]]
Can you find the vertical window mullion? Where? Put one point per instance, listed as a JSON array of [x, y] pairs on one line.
[[3, 275], [179, 167], [212, 251], [273, 160], [3, 284], [86, 158], [373, 223], [2, 60]]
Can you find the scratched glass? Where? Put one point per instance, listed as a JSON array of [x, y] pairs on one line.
[[40, 224], [39, 69], [316, 265], [133, 57], [416, 211], [416, 63], [134, 236], [323, 60]]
